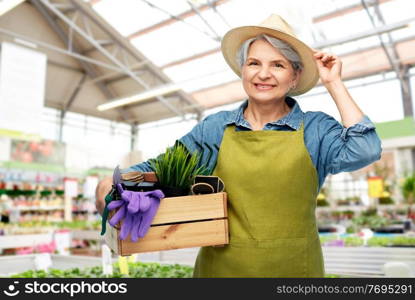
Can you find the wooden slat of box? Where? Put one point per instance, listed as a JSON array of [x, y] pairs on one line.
[[176, 236], [191, 208], [200, 220]]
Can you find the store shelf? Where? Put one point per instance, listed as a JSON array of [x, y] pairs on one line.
[[38, 208], [92, 235], [21, 263], [24, 240], [355, 208], [358, 208], [365, 261]]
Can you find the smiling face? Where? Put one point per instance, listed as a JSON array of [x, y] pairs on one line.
[[267, 75]]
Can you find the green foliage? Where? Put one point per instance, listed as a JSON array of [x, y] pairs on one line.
[[77, 224], [352, 229], [408, 187], [322, 202], [385, 200], [370, 221], [177, 167], [353, 241], [354, 200], [392, 241], [348, 213], [377, 241], [326, 238], [370, 212], [342, 202], [136, 270], [403, 241]]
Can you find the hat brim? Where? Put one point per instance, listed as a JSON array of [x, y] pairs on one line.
[[234, 39]]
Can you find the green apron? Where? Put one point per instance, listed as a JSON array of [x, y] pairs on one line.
[[272, 188]]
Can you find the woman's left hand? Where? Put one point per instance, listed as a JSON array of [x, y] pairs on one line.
[[329, 66]]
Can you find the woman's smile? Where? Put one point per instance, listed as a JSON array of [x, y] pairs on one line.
[[264, 86]]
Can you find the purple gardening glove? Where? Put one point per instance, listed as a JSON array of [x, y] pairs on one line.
[[137, 209]]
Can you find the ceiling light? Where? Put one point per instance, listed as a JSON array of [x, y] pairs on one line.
[[162, 90], [158, 91]]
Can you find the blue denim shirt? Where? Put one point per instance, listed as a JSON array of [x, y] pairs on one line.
[[332, 147]]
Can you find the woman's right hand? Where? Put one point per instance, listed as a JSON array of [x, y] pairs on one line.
[[103, 188]]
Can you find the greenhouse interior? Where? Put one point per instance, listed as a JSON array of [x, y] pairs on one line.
[[89, 85]]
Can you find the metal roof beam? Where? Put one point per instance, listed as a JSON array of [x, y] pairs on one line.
[[342, 11], [87, 67], [199, 13], [170, 21], [372, 32], [59, 50], [128, 47], [92, 49], [114, 76], [103, 51], [64, 66], [74, 94], [369, 33], [393, 57]]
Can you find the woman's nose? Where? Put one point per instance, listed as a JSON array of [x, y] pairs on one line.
[[264, 73]]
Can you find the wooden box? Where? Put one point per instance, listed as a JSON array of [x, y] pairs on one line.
[[180, 222]]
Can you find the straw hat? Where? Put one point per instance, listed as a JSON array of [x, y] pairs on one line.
[[274, 26]]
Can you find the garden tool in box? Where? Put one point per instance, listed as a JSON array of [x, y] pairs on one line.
[[207, 185], [135, 208], [112, 195]]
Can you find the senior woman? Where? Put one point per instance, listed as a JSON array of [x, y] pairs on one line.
[[273, 157]]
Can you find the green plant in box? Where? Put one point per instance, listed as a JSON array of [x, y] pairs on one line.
[[176, 169]]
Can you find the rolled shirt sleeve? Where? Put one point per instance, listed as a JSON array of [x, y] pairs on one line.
[[193, 140], [347, 149], [141, 167]]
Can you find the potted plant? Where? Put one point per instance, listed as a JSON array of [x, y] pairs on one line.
[[385, 198], [176, 169], [408, 188], [355, 200], [343, 202], [322, 202], [348, 214]]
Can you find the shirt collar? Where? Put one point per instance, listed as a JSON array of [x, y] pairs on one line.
[[293, 119]]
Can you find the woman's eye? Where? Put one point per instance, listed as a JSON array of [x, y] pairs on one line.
[[252, 63], [279, 65]]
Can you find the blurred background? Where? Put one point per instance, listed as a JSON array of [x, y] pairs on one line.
[[88, 85]]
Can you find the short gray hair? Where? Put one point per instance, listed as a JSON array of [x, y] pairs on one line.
[[286, 50]]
